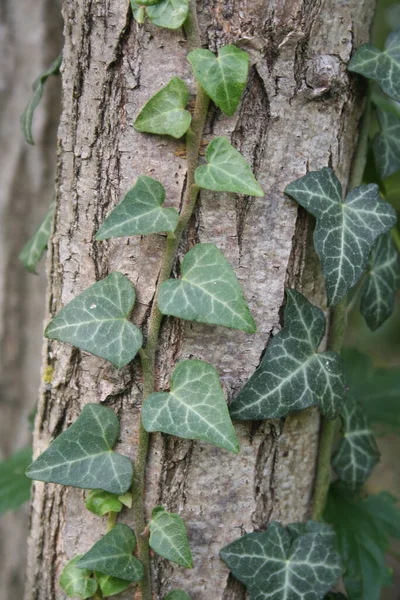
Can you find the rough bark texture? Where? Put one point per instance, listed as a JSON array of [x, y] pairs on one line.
[[299, 112]]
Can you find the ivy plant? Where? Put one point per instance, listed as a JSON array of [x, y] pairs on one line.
[[33, 250], [15, 487], [168, 537], [77, 582]]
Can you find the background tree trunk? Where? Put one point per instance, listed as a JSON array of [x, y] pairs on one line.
[[299, 112]]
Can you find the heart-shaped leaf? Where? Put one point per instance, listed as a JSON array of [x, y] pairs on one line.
[[226, 171], [15, 487], [33, 250], [282, 563], [346, 230], [293, 375], [383, 281], [140, 212], [112, 555], [208, 291], [194, 409], [177, 595], [77, 583], [223, 78], [138, 12], [387, 144], [100, 502], [97, 321], [168, 537], [170, 14], [82, 456], [110, 586]]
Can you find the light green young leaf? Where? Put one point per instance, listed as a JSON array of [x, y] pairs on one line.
[[293, 375], [97, 321], [346, 230], [82, 456], [33, 250], [208, 291], [194, 409], [383, 281], [37, 88], [387, 144], [100, 502], [382, 67], [177, 595], [140, 212], [77, 583], [170, 14], [110, 586], [138, 12], [356, 453], [112, 555], [15, 487], [226, 171], [282, 563], [223, 77], [126, 499], [168, 537]]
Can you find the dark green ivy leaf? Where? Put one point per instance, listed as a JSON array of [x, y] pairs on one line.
[[77, 583], [100, 502], [33, 250], [168, 537], [15, 487], [387, 144], [110, 586], [177, 595]]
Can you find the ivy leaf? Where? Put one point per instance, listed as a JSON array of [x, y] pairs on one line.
[[387, 144], [382, 67], [140, 212], [383, 281], [177, 595], [292, 375], [37, 88], [282, 563], [100, 502], [77, 582], [223, 78], [208, 291], [112, 555], [168, 537], [226, 171], [110, 586], [82, 455], [97, 321], [170, 14], [357, 452], [194, 409], [138, 12], [126, 499], [15, 487], [33, 250], [346, 230]]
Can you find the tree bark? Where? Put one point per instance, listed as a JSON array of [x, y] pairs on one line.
[[300, 111]]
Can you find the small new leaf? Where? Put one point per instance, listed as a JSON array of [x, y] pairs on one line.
[[346, 230], [177, 595], [15, 487], [194, 409], [33, 250], [101, 503], [77, 583], [293, 375], [110, 586], [226, 171], [208, 291], [387, 144], [170, 14], [82, 456], [168, 537], [138, 12], [97, 321], [223, 77]]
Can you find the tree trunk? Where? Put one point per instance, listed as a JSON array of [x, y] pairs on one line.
[[299, 112]]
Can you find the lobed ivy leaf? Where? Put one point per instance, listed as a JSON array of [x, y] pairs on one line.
[[208, 291], [283, 563], [97, 321], [386, 144], [292, 375], [177, 595], [77, 583], [112, 555], [110, 586], [226, 171], [168, 537], [194, 409], [382, 67], [223, 77], [100, 502], [33, 250], [170, 14], [346, 230], [356, 453], [140, 212], [15, 487], [82, 455]]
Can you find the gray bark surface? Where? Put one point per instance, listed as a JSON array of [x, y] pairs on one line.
[[299, 112]]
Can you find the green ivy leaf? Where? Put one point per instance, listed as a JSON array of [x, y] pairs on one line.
[[112, 555], [382, 67], [292, 375], [37, 88], [15, 487], [126, 499], [77, 582], [100, 502], [283, 563], [208, 291], [138, 12], [346, 230], [226, 171], [140, 212], [223, 78], [33, 250], [168, 537], [170, 14], [194, 409], [387, 144], [97, 321], [82, 455], [363, 529], [383, 281], [357, 452], [177, 595], [110, 586]]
